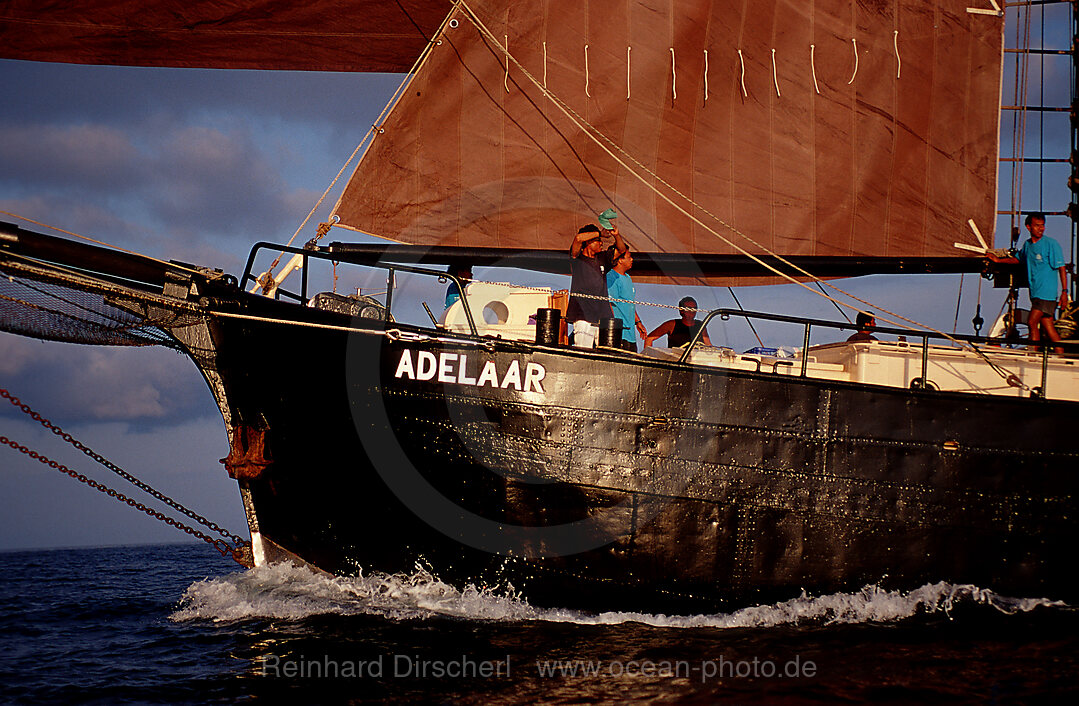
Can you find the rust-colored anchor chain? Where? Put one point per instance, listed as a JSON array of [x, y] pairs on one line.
[[239, 549]]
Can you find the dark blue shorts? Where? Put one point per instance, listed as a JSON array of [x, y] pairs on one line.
[[1046, 306]]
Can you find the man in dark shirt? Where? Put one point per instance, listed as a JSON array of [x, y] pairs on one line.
[[865, 323], [679, 332], [589, 265]]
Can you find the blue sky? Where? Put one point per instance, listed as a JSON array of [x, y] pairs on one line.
[[198, 165], [185, 164]]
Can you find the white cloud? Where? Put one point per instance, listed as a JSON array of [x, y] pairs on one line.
[[84, 153], [166, 189], [15, 355], [95, 383], [191, 165]]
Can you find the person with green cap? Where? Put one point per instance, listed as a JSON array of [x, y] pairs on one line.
[[589, 265]]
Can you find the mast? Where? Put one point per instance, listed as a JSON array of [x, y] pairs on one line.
[[1073, 181], [1042, 121]]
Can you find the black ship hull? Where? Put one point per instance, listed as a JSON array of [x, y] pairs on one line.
[[583, 478], [615, 481]]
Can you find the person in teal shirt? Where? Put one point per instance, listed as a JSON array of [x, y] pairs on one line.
[[463, 273], [1045, 267], [620, 287]]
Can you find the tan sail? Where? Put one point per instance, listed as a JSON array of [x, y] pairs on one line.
[[320, 35], [829, 128]]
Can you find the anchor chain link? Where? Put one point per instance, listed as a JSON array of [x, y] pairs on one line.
[[239, 549]]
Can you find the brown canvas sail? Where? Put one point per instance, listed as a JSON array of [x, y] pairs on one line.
[[322, 35], [829, 128]]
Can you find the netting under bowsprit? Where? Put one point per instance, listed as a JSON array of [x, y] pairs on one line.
[[55, 312]]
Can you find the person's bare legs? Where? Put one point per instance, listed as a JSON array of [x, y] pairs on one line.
[[1038, 320], [1034, 319], [1050, 327]]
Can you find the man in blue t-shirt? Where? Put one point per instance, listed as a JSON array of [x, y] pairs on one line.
[[620, 286], [1044, 263]]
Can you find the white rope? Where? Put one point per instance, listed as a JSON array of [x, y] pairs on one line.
[[898, 61], [544, 64], [369, 138], [506, 80], [674, 78], [775, 74], [705, 75], [610, 147], [82, 279], [548, 290], [742, 79], [628, 49], [89, 240], [813, 66], [585, 71], [395, 334], [288, 322], [855, 42]]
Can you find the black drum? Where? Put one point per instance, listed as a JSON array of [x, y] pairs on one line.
[[610, 333]]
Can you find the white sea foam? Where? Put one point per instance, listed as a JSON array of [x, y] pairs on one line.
[[871, 604], [284, 591], [292, 592]]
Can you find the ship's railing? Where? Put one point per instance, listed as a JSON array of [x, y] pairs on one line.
[[910, 335], [391, 272], [808, 325]]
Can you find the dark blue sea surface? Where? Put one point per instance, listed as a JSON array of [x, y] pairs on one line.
[[179, 624]]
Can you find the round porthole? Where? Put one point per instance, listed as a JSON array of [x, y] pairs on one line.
[[496, 312]]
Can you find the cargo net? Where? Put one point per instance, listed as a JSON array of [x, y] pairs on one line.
[[55, 312]]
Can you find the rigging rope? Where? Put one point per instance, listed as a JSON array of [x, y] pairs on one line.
[[120, 320], [898, 61], [775, 74], [958, 301], [79, 278], [742, 76], [585, 70], [575, 294], [674, 78], [239, 547], [394, 334], [545, 64], [98, 242], [705, 75], [855, 42], [837, 307], [368, 138], [610, 147], [748, 321], [1019, 117]]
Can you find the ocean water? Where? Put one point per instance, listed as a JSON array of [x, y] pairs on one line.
[[179, 624]]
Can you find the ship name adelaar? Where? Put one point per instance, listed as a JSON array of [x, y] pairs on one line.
[[454, 367]]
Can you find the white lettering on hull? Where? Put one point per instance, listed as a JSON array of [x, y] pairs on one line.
[[453, 368]]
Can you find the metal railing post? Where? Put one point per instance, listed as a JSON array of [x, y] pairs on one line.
[[805, 350], [390, 279], [925, 362]]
